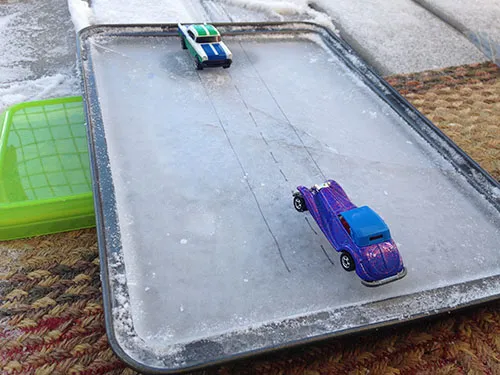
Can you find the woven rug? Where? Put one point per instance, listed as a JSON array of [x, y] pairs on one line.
[[51, 316]]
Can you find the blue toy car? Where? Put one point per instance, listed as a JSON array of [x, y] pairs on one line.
[[358, 233]]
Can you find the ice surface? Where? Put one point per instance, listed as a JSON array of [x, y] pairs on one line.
[[204, 164]]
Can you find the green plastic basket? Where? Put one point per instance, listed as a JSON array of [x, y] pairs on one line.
[[45, 181]]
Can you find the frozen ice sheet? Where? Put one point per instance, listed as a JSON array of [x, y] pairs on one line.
[[204, 164]]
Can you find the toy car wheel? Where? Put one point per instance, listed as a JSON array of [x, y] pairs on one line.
[[299, 203], [199, 65], [347, 262], [226, 66], [183, 44]]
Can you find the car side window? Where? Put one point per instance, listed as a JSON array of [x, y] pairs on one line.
[[345, 224], [191, 34]]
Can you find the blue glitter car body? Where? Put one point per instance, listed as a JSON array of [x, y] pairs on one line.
[[358, 233]]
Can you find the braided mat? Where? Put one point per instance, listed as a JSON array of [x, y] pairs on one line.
[[51, 316], [464, 102]]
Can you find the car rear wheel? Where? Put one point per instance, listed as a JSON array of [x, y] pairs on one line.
[[299, 203], [199, 65], [183, 44], [346, 261]]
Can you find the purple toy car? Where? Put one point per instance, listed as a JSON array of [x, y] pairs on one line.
[[358, 233]]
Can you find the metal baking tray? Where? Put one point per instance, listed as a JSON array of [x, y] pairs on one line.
[[203, 257]]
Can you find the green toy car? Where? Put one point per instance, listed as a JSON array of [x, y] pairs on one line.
[[204, 43]]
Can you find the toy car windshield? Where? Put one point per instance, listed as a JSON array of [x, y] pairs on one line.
[[366, 227], [208, 39]]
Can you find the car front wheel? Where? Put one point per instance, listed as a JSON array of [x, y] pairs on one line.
[[183, 44], [347, 262], [299, 203]]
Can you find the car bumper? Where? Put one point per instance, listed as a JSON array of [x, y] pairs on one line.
[[387, 280], [215, 63]]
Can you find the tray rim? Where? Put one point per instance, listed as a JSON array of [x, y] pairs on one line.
[[462, 162]]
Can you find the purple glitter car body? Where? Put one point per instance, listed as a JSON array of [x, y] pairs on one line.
[[358, 233]]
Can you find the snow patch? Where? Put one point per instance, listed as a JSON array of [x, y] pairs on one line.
[[54, 86], [136, 11], [81, 14], [284, 9], [6, 20]]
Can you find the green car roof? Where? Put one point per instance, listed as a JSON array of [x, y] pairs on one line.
[[204, 30]]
